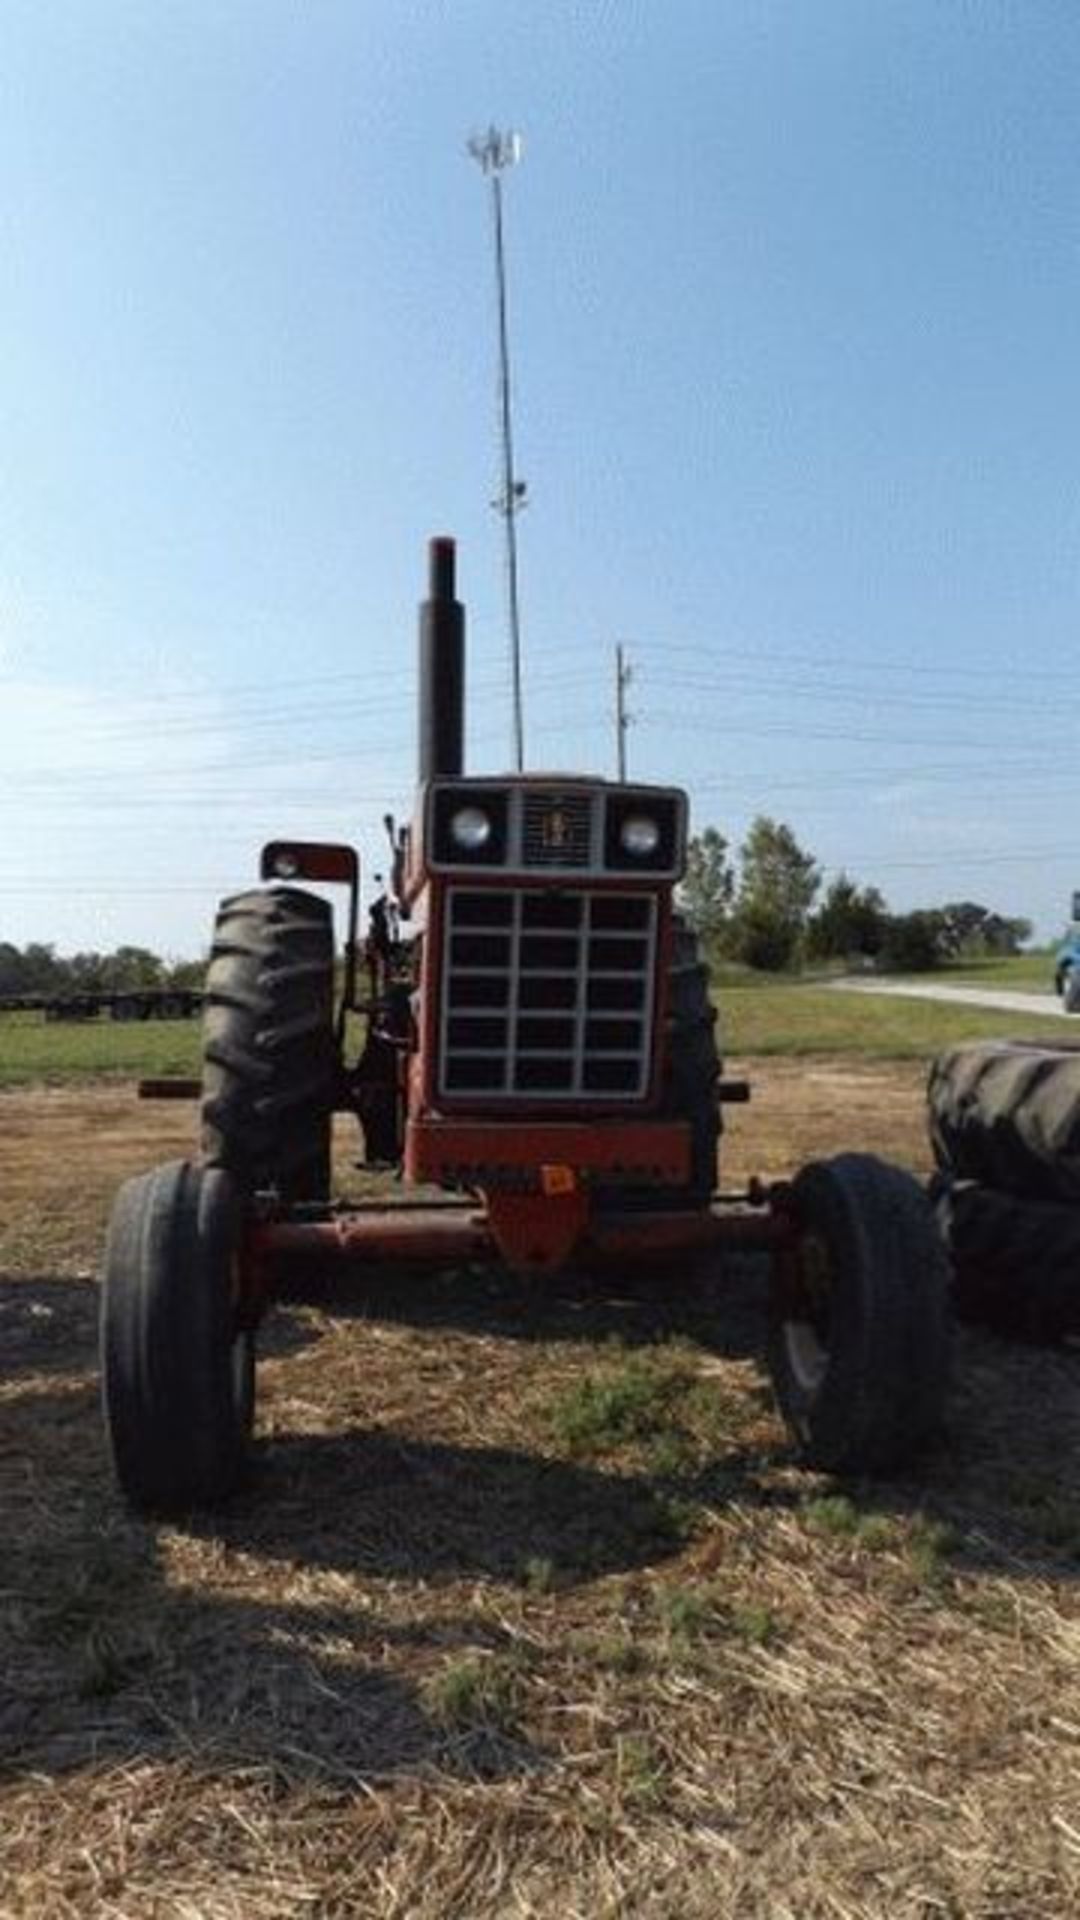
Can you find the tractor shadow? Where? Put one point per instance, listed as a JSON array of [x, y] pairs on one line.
[[298, 1631], [126, 1641], [719, 1303], [1007, 1477], [1004, 1478], [48, 1325], [383, 1504]]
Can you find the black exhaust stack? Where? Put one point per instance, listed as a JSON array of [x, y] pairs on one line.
[[442, 668]]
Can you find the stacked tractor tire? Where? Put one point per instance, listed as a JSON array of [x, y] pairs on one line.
[[1005, 1129]]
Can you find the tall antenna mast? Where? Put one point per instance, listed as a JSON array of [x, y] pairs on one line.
[[494, 152], [624, 673]]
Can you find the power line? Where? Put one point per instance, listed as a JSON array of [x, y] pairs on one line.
[[299, 757], [842, 736], [753, 654], [963, 857], [285, 714], [886, 700]]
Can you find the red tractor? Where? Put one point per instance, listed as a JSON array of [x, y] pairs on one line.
[[540, 1060]]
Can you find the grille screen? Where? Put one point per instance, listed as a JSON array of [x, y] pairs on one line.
[[557, 830], [547, 995]]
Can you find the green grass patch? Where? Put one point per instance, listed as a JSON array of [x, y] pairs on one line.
[[755, 1624], [33, 1049], [634, 1398], [686, 1611], [783, 1016], [929, 1547], [922, 1547], [836, 1514], [1024, 972], [617, 1653], [475, 1692], [759, 1014], [642, 1773]]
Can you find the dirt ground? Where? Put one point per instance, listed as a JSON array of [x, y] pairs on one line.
[[527, 1609]]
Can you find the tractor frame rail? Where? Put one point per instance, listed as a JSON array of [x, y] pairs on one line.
[[459, 1230]]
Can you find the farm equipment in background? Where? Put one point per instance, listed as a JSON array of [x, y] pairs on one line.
[[1067, 963], [540, 1063], [135, 1003]]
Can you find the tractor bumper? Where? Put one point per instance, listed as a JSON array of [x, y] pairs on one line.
[[546, 1157]]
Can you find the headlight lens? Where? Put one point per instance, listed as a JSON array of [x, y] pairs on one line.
[[639, 835], [470, 828], [286, 865]]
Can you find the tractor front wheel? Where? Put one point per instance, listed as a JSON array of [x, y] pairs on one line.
[[859, 1326], [177, 1357]]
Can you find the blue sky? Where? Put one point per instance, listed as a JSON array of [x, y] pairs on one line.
[[794, 311]]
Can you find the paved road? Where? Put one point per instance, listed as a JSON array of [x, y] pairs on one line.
[[1005, 999]]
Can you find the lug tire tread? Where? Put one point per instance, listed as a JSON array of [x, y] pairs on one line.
[[269, 1058]]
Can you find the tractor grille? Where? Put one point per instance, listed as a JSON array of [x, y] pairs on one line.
[[547, 996], [557, 830]]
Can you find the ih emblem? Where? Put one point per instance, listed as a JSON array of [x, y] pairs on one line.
[[555, 830]]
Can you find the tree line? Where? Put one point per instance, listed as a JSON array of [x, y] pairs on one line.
[[39, 969], [765, 907]]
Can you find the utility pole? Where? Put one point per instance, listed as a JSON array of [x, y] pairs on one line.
[[494, 152], [624, 673]]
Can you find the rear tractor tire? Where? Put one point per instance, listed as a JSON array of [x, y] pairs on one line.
[[1006, 1114], [269, 1055], [859, 1323], [693, 1063], [177, 1361], [1015, 1262]]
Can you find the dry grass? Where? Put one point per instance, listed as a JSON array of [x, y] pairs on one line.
[[527, 1611]]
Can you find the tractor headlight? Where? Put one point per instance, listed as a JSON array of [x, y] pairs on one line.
[[467, 824], [286, 865], [470, 828], [639, 835], [644, 832]]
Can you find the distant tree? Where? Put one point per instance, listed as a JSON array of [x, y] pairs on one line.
[[916, 942], [38, 969], [1006, 934], [130, 968], [188, 974], [708, 888], [850, 920], [962, 923], [87, 972], [42, 972], [778, 882], [761, 939], [971, 930], [12, 969]]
